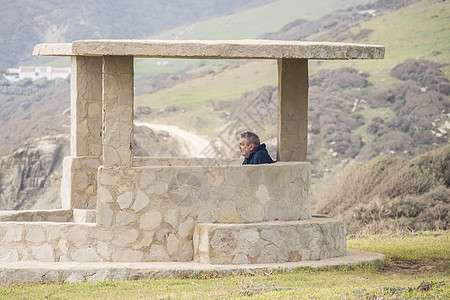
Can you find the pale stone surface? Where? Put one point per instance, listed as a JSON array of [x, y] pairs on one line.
[[311, 239], [174, 213], [104, 216], [35, 235], [224, 49], [84, 215], [32, 271], [141, 201], [125, 200], [292, 132], [118, 110], [146, 208], [172, 245], [251, 236], [63, 246], [127, 255], [151, 220], [74, 277], [86, 255], [13, 234], [102, 249], [10, 255], [158, 253], [78, 236], [124, 218], [79, 182], [145, 241], [126, 238], [186, 228], [43, 253]]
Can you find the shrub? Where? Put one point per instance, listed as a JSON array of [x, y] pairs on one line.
[[391, 192]]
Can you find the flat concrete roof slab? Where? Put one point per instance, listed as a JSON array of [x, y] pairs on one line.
[[213, 49]]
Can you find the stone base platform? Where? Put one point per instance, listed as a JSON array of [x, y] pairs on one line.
[[33, 271], [269, 242]]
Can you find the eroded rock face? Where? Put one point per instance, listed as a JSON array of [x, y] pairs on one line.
[[31, 171]]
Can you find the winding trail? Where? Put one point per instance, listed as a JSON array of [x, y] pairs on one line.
[[191, 144]]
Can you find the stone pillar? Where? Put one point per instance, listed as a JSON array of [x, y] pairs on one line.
[[118, 110], [77, 188], [86, 106], [292, 113]]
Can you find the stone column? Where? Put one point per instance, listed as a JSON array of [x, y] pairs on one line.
[[78, 187], [86, 106], [292, 113], [118, 110]]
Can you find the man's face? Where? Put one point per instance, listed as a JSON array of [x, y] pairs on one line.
[[245, 148]]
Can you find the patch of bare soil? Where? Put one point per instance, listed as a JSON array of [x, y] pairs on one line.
[[411, 267]]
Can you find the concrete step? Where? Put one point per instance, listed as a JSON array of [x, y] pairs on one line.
[[269, 242], [34, 271]]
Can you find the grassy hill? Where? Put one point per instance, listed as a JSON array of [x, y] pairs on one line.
[[230, 83], [358, 109], [253, 22], [392, 194], [418, 31]]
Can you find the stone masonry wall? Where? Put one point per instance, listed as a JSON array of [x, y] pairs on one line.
[[79, 182], [269, 242], [155, 208]]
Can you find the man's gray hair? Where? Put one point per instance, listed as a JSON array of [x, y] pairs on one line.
[[250, 138]]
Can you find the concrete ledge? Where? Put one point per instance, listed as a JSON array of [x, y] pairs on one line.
[[50, 215], [32, 271]]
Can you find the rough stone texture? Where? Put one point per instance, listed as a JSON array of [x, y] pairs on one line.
[[86, 106], [118, 110], [223, 49], [146, 209], [51, 215], [79, 182], [166, 202], [292, 113], [50, 242], [32, 271], [28, 171], [269, 242]]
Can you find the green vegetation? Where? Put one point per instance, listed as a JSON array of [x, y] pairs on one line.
[[420, 30], [391, 193], [418, 246], [361, 282], [256, 21], [218, 85]]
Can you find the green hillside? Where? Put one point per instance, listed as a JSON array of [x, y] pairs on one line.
[[402, 40], [421, 30], [253, 22], [391, 115], [245, 24]]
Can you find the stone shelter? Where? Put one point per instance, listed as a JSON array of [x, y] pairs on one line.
[[120, 208]]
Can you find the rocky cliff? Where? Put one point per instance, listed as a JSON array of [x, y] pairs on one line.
[[30, 177]]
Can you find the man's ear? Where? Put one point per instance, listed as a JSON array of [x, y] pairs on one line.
[[252, 146]]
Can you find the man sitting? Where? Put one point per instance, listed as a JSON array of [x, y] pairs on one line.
[[252, 150]]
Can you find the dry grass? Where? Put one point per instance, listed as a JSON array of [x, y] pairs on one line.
[[390, 193]]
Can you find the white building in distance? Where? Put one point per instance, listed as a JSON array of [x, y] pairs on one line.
[[34, 73]]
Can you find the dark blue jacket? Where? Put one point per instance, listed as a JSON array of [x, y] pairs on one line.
[[259, 155]]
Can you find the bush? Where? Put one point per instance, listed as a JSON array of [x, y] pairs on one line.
[[395, 192]]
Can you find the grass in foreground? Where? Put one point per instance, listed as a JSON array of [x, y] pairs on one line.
[[346, 283]]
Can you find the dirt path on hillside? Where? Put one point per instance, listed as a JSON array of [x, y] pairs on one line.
[[191, 144]]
